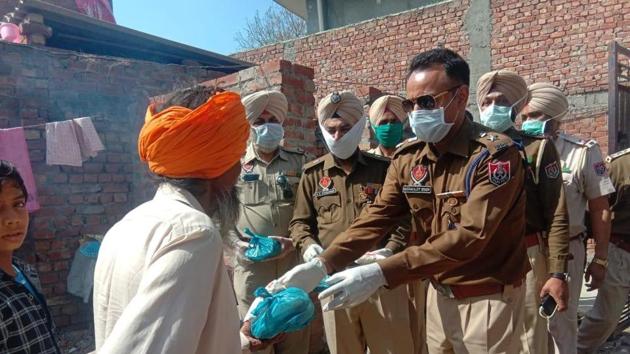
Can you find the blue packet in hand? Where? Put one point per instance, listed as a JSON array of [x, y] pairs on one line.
[[288, 310], [261, 247]]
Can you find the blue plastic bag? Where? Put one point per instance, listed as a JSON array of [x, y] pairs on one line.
[[261, 247], [286, 311]]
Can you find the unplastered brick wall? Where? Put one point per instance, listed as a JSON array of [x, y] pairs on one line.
[[42, 85], [561, 41]]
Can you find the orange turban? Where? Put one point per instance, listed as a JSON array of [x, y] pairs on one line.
[[202, 143]]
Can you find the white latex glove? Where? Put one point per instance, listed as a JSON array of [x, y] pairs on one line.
[[374, 256], [311, 252], [352, 286], [249, 315], [305, 276]]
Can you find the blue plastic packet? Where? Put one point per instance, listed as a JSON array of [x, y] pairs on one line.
[[261, 247], [322, 285], [286, 311]]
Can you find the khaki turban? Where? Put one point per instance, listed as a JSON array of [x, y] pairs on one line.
[[274, 102], [345, 104], [548, 99], [508, 83], [388, 103]]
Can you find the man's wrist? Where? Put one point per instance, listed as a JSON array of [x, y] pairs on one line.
[[601, 261], [561, 276]]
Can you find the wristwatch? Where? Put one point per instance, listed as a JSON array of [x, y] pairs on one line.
[[601, 262], [561, 276]]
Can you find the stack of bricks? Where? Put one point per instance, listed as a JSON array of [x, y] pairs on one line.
[[44, 85]]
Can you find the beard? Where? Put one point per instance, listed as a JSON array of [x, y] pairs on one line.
[[227, 212]]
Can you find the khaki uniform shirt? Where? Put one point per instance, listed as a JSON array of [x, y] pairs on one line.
[[267, 191], [546, 209], [585, 177], [619, 168], [476, 238], [328, 200]]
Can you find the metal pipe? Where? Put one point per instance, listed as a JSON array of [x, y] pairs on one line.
[[320, 15]]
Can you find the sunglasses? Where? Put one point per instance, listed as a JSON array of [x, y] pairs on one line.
[[425, 101]]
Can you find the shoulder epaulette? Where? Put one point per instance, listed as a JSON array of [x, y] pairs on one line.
[[405, 145], [313, 163], [617, 154], [573, 139], [591, 143], [294, 150], [493, 141]]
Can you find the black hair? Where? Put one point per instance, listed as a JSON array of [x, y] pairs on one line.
[[455, 66], [8, 172], [190, 97]]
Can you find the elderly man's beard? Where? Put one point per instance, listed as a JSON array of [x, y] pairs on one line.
[[227, 209]]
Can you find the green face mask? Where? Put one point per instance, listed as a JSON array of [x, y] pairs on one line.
[[389, 135], [533, 127]]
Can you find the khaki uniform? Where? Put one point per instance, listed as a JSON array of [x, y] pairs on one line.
[[473, 197], [327, 202], [612, 296], [585, 177], [267, 208], [547, 231], [416, 290]]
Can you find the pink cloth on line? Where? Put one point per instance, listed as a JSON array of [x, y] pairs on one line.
[[13, 148], [71, 142]]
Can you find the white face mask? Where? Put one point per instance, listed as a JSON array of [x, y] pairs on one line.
[[429, 125], [347, 145], [267, 136]]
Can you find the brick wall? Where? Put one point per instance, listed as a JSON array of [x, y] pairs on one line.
[[39, 86], [562, 41]]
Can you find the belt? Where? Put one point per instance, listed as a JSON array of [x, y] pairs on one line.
[[532, 240], [621, 241], [460, 292]]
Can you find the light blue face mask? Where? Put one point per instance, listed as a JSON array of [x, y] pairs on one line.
[[534, 127], [429, 124], [268, 136], [497, 118]]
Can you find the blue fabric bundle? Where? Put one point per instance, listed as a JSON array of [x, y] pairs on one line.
[[286, 311], [261, 247]]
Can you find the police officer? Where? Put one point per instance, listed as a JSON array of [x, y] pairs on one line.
[[269, 177], [586, 183], [600, 321], [333, 191], [501, 95], [387, 118], [468, 183]]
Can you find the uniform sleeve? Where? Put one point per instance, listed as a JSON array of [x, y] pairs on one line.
[[169, 311], [375, 222], [596, 180], [481, 215], [399, 238], [555, 210], [303, 226]]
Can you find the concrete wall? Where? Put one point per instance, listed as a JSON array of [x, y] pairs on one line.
[[561, 41], [39, 86]]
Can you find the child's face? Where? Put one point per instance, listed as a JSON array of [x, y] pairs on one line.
[[13, 217]]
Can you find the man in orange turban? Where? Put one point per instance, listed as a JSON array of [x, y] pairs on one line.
[[160, 281]]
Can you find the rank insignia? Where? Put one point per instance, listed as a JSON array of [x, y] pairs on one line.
[[600, 168], [552, 170], [499, 172]]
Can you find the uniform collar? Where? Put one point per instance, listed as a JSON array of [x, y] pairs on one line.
[[251, 155], [458, 144], [169, 191], [330, 161]]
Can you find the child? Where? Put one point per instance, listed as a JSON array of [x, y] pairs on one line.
[[25, 322]]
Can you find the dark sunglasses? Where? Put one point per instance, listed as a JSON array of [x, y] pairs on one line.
[[425, 101]]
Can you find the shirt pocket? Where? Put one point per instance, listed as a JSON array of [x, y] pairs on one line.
[[328, 209], [421, 207], [571, 185], [253, 192]]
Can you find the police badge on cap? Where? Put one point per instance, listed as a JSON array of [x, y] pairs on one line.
[[335, 98]]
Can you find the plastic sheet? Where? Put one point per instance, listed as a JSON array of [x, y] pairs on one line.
[[286, 311]]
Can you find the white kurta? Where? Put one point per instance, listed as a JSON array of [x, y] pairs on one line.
[[160, 284]]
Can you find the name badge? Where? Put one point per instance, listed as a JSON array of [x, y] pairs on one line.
[[250, 177], [325, 192], [416, 189]]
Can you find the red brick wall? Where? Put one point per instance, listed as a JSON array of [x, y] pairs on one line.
[[39, 86], [562, 41]]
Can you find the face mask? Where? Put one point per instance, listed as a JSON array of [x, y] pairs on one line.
[[267, 136], [498, 118], [389, 135], [429, 125], [534, 127], [347, 145]]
